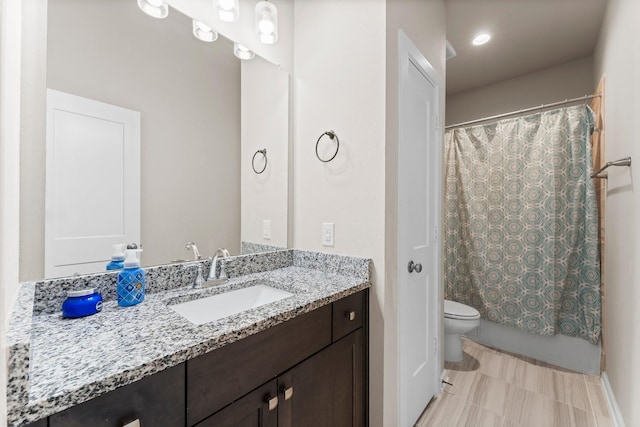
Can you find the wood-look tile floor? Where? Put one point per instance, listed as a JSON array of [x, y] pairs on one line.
[[495, 388]]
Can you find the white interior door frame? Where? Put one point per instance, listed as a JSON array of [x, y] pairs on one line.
[[411, 59], [92, 187]]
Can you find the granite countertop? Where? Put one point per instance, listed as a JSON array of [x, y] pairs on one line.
[[55, 363]]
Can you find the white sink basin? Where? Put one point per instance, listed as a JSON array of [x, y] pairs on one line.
[[215, 307]]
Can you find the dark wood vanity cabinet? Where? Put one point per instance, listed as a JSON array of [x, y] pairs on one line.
[[258, 408], [326, 389], [309, 371], [317, 360], [157, 400]]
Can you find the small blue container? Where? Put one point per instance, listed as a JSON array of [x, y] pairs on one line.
[[82, 303], [115, 265]]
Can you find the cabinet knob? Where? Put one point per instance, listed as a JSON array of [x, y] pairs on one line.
[[288, 393], [134, 423], [273, 402], [351, 315]]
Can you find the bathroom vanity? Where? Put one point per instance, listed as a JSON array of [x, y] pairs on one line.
[[302, 360]]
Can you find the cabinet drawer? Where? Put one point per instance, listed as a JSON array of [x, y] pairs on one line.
[[347, 315], [157, 400], [218, 378]]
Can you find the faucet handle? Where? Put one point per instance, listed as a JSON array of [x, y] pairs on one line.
[[199, 279], [223, 274]]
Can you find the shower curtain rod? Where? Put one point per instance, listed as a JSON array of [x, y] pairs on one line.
[[526, 110]]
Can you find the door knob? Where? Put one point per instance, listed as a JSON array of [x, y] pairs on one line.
[[414, 267]]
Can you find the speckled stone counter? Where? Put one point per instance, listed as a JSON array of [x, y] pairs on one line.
[[55, 363]]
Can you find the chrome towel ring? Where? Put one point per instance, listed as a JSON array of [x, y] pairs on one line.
[[253, 161], [331, 134]]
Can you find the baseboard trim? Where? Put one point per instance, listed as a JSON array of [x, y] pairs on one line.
[[614, 409]]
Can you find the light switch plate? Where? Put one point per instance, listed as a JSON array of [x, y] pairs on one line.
[[266, 229], [327, 234]]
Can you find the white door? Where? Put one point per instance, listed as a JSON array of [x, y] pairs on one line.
[[418, 247], [92, 189]]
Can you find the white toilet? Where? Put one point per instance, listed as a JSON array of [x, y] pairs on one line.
[[458, 319]]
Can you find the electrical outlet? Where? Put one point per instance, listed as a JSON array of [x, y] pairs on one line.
[[266, 229], [327, 234]]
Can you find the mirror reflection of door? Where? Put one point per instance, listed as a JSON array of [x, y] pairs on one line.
[[92, 195]]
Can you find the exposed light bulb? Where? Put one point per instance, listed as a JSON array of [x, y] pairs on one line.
[[226, 4], [481, 39], [266, 22], [204, 32], [155, 8], [265, 27], [228, 10], [242, 52]]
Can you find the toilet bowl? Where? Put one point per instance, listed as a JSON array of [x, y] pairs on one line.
[[458, 319]]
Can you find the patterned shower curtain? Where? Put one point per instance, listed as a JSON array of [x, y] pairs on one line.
[[521, 226]]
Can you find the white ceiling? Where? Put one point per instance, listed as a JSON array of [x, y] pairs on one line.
[[528, 35]]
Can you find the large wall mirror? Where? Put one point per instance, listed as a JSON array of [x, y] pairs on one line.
[[203, 115]]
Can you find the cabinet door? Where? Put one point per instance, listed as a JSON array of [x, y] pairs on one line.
[[216, 379], [157, 400], [326, 389], [39, 423], [257, 409]]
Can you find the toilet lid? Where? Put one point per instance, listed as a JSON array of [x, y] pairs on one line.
[[455, 310]]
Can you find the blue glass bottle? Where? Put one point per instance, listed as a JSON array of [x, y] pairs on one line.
[[131, 281]]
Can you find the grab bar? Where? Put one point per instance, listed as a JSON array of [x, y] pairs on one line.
[[622, 162]]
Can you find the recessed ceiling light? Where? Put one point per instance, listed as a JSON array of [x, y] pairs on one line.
[[481, 39]]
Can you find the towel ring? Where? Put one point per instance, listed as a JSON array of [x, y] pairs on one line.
[[253, 161], [331, 134]]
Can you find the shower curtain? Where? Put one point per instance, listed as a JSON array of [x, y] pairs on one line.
[[521, 227]]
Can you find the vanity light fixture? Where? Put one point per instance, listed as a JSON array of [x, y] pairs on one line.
[[267, 22], [242, 52], [228, 10], [204, 32], [156, 8], [480, 39]]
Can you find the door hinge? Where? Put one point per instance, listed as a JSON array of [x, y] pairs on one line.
[[435, 346], [435, 234]]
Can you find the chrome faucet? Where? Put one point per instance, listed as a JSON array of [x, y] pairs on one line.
[[215, 276], [192, 246]]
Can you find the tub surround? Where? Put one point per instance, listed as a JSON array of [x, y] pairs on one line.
[[57, 363]]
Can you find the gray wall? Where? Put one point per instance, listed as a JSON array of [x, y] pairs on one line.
[[569, 80], [618, 57], [188, 93]]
